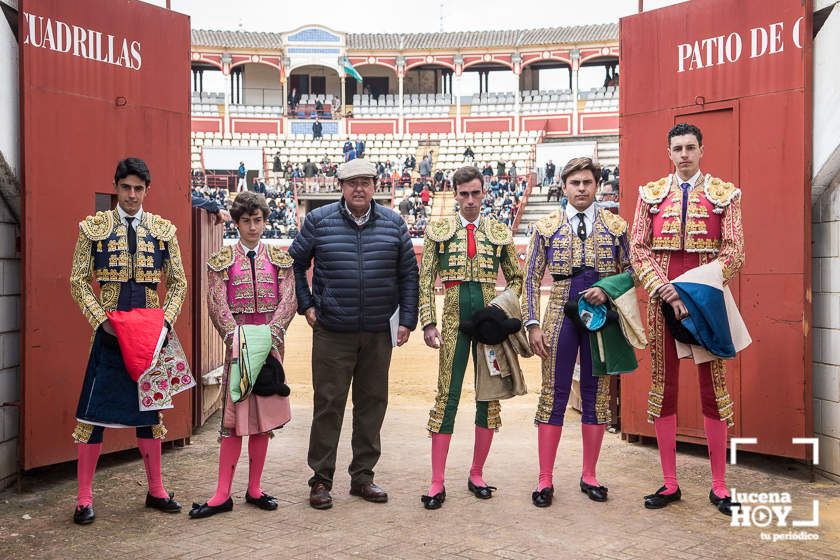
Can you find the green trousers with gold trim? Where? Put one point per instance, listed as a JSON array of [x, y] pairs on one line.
[[460, 302]]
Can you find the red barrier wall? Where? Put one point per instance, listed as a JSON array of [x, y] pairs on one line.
[[79, 117], [684, 64]]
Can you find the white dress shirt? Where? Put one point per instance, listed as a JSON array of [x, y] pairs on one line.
[[123, 215], [588, 218], [245, 249], [465, 221], [691, 181]]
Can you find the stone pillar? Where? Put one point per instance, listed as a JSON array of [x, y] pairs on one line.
[[575, 75]]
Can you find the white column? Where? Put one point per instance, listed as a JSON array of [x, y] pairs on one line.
[[401, 125], [575, 69], [456, 92], [516, 102], [343, 96]]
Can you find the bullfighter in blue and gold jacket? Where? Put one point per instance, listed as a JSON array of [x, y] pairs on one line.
[[126, 250]]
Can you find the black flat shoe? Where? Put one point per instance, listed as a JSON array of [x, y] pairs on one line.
[[434, 502], [203, 510], [266, 502], [166, 505], [595, 493], [83, 515], [724, 505], [543, 497], [481, 492], [659, 500]]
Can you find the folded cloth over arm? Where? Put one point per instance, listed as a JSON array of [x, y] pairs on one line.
[[498, 374], [612, 347]]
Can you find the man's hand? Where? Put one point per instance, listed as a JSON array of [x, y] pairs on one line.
[[594, 296], [679, 308], [222, 216], [668, 293], [108, 328], [310, 317], [538, 341], [402, 335], [431, 336]]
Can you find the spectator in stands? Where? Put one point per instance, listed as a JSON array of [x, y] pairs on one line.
[[319, 108], [487, 171], [310, 170], [425, 167], [348, 146], [405, 179], [512, 172], [438, 178], [431, 156], [605, 174], [360, 148], [469, 155], [425, 196], [277, 166], [411, 162], [615, 173], [366, 90], [500, 168], [242, 172], [287, 170], [317, 128], [404, 206], [550, 169], [418, 187], [294, 99]]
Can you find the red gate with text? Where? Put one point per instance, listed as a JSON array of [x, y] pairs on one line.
[[741, 72]]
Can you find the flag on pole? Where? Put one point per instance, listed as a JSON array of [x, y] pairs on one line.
[[348, 68]]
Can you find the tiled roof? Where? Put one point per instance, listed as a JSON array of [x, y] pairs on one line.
[[237, 39], [423, 41], [483, 39]]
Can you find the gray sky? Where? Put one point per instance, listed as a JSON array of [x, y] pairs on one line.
[[386, 16]]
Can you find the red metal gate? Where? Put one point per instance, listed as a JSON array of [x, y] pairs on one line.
[[741, 72], [100, 80]]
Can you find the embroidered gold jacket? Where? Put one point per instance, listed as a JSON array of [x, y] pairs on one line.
[[445, 255], [713, 227], [125, 280], [554, 246]]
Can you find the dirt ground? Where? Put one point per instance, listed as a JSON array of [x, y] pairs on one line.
[[36, 523]]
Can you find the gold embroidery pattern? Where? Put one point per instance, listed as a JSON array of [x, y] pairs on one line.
[[647, 269], [449, 336], [160, 228], [603, 414], [726, 408], [428, 272], [656, 324], [152, 299], [279, 257], [176, 280], [82, 432], [551, 324], [159, 430], [616, 225], [81, 276], [442, 229], [221, 259], [99, 226], [109, 295], [548, 225]]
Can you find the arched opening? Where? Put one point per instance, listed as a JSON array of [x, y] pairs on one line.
[[313, 89], [260, 85]]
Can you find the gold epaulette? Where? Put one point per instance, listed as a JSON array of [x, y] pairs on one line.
[[615, 223], [497, 232], [221, 259], [719, 192], [548, 225], [99, 226], [655, 192], [442, 229], [279, 257], [161, 228]]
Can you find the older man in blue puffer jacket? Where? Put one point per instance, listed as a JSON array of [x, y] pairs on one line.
[[365, 272]]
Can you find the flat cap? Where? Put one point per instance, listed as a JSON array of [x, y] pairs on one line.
[[359, 167]]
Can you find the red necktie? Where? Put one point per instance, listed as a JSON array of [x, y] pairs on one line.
[[471, 240]]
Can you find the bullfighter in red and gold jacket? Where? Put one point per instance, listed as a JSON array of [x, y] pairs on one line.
[[683, 221]]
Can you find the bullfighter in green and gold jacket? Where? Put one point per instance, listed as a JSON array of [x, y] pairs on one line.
[[465, 251]]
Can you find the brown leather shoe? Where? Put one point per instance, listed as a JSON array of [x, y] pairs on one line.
[[369, 491], [319, 496]]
